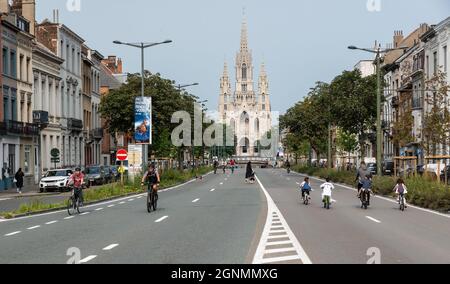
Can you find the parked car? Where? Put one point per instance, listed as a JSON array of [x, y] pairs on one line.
[[109, 176], [55, 180], [388, 168], [372, 168], [443, 172], [96, 175]]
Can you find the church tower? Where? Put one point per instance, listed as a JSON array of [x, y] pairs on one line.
[[244, 111]]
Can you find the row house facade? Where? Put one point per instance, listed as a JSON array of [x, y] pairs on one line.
[[406, 74], [67, 45], [19, 139]]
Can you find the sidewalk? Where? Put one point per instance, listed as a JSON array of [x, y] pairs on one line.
[[29, 189]]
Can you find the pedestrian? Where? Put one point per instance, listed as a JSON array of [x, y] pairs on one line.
[[18, 179]]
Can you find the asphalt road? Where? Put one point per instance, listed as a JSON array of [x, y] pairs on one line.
[[224, 220]]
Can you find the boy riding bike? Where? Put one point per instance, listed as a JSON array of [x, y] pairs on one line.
[[305, 187]]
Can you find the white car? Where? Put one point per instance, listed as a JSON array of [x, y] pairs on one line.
[[55, 180]]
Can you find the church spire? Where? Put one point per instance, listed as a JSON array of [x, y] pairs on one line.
[[225, 70], [244, 37]]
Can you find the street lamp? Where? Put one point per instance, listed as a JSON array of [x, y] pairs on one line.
[[378, 51], [142, 46]]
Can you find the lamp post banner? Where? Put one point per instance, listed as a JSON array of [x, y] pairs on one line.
[[143, 120]]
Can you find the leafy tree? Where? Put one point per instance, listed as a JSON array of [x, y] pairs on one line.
[[436, 126], [347, 142]]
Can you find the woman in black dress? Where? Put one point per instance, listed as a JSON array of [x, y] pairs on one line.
[[19, 180], [249, 174]]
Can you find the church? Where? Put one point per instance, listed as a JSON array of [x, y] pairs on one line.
[[246, 110]]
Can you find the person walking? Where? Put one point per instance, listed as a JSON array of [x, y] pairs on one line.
[[19, 180]]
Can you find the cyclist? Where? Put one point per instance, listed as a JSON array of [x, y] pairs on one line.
[[360, 176], [366, 185], [327, 189], [77, 180], [305, 187], [216, 165], [153, 178], [288, 166], [401, 190]]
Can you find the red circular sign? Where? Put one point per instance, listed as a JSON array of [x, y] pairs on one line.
[[122, 155]]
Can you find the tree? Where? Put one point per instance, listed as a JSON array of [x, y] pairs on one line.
[[403, 124], [436, 126], [347, 142], [117, 108], [354, 103]]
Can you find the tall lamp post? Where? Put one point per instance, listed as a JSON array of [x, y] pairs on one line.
[[378, 51], [181, 88], [142, 46]]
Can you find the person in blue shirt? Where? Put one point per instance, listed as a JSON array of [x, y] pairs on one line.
[[305, 187]]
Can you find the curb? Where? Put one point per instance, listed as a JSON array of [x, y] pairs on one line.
[[97, 201]]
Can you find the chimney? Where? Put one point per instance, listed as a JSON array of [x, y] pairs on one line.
[[398, 38], [4, 6], [119, 66]]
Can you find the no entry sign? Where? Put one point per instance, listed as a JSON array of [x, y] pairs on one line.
[[122, 155]]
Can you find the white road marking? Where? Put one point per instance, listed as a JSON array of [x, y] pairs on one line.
[[221, 183], [123, 202], [161, 219], [51, 222], [35, 227], [110, 247], [373, 219], [99, 209], [70, 217], [280, 250], [87, 259], [85, 213], [279, 243], [131, 199], [95, 205], [195, 200], [110, 206], [213, 190], [13, 233], [139, 197], [4, 199], [268, 234]]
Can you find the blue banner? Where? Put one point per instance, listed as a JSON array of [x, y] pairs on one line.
[[143, 120]]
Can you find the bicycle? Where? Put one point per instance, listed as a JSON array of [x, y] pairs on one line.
[[402, 202], [74, 202], [306, 198], [152, 199], [365, 194]]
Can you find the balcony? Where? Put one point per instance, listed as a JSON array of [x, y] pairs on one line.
[[22, 129], [97, 133], [75, 125]]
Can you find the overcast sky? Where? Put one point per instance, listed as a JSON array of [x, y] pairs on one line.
[[301, 41]]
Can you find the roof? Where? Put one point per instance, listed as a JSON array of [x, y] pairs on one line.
[[107, 79]]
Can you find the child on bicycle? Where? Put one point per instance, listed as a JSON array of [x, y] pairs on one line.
[[327, 189], [401, 190], [305, 187]]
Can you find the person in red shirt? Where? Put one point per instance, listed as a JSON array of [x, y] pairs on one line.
[[77, 180], [232, 164]]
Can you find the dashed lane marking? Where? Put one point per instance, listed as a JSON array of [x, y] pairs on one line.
[[373, 219], [34, 227], [110, 247], [161, 219], [87, 259], [51, 222], [99, 209], [13, 233], [195, 200]]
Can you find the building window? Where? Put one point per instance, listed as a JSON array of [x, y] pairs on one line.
[[13, 64], [244, 87], [5, 61], [27, 160], [244, 71], [445, 59], [28, 69], [13, 104], [435, 63], [5, 108], [264, 107], [427, 66]]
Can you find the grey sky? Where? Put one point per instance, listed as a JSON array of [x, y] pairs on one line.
[[300, 41]]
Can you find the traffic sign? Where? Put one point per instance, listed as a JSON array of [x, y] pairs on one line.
[[55, 153], [122, 155]]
